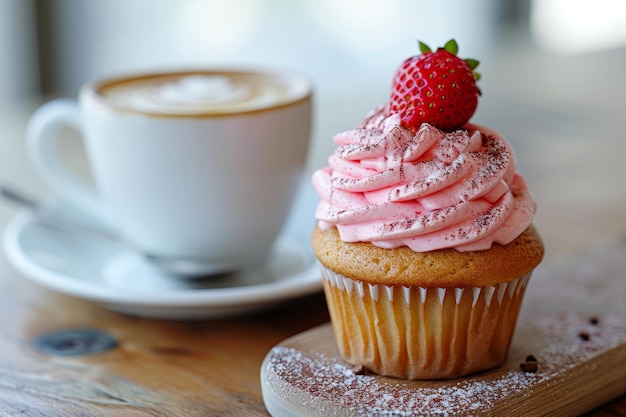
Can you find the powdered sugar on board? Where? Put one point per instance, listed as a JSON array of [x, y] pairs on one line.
[[573, 325], [565, 341]]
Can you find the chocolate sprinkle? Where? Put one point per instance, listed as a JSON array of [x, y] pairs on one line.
[[530, 367]]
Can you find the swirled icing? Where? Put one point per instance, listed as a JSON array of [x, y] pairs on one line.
[[427, 189]]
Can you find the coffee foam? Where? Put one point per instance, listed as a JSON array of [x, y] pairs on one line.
[[203, 93]]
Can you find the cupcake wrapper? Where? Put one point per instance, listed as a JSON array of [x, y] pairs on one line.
[[422, 333]]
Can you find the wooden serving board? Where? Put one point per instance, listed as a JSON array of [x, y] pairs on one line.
[[573, 323]]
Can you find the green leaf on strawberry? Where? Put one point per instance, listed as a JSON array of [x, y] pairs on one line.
[[423, 47], [435, 87], [452, 47]]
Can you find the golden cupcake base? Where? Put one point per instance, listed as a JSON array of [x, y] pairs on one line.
[[419, 332]]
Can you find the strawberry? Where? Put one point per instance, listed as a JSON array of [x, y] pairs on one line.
[[435, 87]]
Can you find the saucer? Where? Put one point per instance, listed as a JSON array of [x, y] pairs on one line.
[[123, 281]]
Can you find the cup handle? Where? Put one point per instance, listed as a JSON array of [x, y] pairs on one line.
[[42, 135]]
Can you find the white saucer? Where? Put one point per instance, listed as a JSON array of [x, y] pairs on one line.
[[124, 282]]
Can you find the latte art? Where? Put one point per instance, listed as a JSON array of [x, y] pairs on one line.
[[197, 90], [191, 94]]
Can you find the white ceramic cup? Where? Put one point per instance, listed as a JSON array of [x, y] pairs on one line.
[[200, 165]]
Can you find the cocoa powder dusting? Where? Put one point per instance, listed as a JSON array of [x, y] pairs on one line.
[[420, 220], [374, 161], [495, 160]]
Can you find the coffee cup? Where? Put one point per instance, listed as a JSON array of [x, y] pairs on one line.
[[197, 165]]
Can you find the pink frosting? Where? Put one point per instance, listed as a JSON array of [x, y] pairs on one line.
[[426, 190]]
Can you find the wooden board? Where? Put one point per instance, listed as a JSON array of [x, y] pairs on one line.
[[573, 323]]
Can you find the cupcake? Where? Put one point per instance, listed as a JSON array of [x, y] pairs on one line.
[[424, 229]]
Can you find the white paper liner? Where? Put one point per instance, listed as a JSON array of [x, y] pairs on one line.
[[419, 332]]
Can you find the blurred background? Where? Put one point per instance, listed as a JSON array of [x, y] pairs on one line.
[[553, 81]]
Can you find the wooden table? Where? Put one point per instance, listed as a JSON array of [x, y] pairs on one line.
[[570, 142]]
